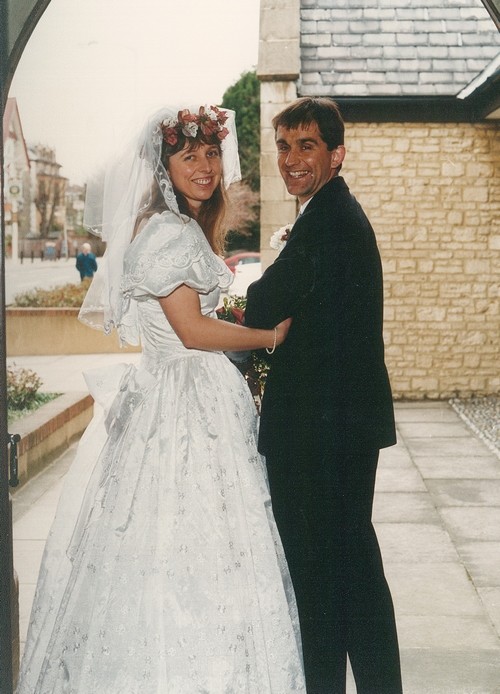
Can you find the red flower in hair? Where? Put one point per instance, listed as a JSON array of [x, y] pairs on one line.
[[170, 136], [221, 115]]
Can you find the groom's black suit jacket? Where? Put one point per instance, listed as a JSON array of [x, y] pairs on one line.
[[328, 385]]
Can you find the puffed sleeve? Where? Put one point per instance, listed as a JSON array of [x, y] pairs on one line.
[[168, 252]]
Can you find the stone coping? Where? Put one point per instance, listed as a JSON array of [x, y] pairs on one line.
[[35, 311], [49, 431]]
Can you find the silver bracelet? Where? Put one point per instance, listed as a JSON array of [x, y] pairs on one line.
[[270, 350]]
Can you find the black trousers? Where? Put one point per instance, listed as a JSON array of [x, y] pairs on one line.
[[323, 510]]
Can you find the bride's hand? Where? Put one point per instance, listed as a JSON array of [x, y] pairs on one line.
[[282, 330]]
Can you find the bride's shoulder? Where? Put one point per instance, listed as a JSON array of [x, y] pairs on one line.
[[167, 238], [167, 252], [165, 230]]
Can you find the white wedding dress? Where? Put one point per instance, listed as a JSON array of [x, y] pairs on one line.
[[164, 572]]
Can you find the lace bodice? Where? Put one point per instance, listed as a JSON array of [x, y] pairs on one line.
[[167, 253]]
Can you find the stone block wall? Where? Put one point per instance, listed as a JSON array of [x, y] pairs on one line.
[[432, 193], [278, 70], [277, 206], [56, 331], [431, 190]]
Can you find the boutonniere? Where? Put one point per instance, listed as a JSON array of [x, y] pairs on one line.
[[279, 238]]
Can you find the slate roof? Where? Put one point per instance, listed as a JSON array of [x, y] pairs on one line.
[[394, 48]]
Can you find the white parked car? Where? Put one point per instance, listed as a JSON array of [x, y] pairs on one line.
[[244, 275]]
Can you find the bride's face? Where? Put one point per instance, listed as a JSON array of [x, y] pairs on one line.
[[196, 173]]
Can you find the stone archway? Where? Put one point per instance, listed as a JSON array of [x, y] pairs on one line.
[[18, 18]]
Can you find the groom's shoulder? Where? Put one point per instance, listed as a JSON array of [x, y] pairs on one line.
[[328, 196], [335, 188]]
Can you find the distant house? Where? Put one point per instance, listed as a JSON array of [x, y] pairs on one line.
[[419, 86], [34, 190], [17, 188]]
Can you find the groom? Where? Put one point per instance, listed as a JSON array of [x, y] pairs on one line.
[[327, 409]]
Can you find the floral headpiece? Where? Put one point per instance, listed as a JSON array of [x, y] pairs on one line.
[[209, 119]]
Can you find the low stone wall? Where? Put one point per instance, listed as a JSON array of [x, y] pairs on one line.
[[49, 431], [42, 331]]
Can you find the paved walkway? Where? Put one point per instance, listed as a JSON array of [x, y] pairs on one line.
[[437, 513]]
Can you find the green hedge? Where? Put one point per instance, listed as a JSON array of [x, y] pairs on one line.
[[65, 296]]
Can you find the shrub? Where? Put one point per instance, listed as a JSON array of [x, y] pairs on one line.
[[22, 393], [22, 387], [65, 296], [40, 399]]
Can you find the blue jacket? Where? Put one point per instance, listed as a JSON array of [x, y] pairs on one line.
[[86, 264]]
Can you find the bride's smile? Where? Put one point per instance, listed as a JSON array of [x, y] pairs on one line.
[[196, 172]]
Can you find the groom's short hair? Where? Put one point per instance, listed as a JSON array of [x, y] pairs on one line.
[[320, 110]]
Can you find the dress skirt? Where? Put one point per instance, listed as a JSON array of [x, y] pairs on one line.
[[164, 572]]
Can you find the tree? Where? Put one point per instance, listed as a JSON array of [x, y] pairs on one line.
[[243, 97], [47, 200], [242, 218]]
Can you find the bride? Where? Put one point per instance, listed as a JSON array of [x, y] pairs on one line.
[[164, 572]]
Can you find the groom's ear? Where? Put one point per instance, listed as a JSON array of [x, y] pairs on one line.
[[338, 155]]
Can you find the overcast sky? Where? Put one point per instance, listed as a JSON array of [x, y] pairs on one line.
[[94, 69]]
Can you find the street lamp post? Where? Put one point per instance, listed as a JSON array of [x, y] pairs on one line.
[[14, 191]]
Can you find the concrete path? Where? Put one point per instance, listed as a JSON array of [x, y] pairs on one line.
[[437, 513]]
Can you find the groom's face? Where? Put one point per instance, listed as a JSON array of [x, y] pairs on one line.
[[304, 161]]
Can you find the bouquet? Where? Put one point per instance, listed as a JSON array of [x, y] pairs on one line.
[[251, 365]]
